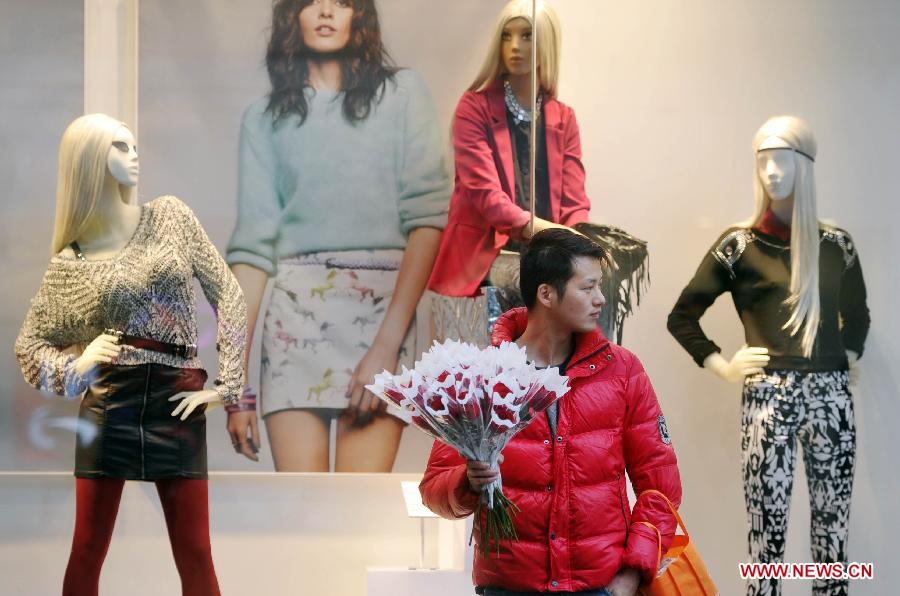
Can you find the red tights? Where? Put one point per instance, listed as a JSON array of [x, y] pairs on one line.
[[186, 507]]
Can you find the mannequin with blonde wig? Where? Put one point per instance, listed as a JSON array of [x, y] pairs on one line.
[[549, 40], [83, 171], [798, 288], [495, 139], [804, 300], [114, 326]]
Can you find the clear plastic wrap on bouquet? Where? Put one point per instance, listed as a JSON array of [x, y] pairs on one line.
[[475, 401]]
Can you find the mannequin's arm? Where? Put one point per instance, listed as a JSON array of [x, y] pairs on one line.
[[476, 169], [710, 280], [542, 224], [854, 311], [576, 205], [227, 300], [853, 360], [41, 344]]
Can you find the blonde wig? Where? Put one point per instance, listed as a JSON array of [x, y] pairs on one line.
[[83, 153], [549, 40], [804, 298]]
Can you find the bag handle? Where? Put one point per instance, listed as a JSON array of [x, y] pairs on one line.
[[655, 529], [671, 508]]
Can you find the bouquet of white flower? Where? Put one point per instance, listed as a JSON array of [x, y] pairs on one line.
[[475, 401]]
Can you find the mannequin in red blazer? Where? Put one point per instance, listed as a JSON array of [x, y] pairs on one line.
[[486, 212]]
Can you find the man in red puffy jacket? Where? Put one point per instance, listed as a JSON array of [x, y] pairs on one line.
[[566, 471]]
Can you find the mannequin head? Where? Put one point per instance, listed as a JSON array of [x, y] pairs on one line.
[[515, 47], [512, 36], [122, 160], [785, 149], [91, 158], [305, 31], [776, 169]]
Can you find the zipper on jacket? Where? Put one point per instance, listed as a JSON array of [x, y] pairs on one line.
[[141, 422], [622, 502]]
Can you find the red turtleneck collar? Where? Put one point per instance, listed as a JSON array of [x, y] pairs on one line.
[[771, 225]]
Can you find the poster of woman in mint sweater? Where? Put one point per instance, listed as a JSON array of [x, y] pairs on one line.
[[343, 192]]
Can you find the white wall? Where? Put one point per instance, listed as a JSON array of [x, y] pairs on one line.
[[668, 96]]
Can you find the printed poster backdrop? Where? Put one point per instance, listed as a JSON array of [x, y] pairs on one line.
[[201, 65]]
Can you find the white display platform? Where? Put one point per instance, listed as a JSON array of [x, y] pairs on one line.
[[392, 581], [272, 534]]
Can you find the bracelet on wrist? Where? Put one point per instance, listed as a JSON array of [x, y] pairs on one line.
[[247, 403]]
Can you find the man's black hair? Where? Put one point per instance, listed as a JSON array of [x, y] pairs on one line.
[[550, 259]]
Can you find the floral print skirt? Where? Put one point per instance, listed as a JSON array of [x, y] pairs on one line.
[[324, 311]]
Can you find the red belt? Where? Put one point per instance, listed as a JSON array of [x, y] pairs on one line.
[[143, 343]]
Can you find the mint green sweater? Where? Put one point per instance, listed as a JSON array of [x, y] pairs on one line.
[[331, 185]]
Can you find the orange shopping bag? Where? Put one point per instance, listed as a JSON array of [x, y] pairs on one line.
[[681, 570]]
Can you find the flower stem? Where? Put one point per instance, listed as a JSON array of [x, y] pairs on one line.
[[496, 523]]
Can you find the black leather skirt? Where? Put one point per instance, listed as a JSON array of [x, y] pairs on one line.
[[126, 427]]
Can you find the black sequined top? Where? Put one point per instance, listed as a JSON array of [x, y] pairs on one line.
[[755, 268]]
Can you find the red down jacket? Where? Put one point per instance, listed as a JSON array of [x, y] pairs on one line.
[[576, 528]]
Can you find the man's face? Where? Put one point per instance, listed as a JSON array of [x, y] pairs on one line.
[[579, 308]]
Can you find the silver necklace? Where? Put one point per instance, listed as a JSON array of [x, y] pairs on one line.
[[519, 113]]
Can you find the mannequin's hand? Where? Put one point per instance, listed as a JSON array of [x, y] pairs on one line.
[[563, 227], [239, 425], [103, 349], [191, 399], [746, 361], [363, 404], [853, 372], [625, 583], [543, 224]]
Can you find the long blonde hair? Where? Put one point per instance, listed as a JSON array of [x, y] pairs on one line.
[[804, 296], [549, 40], [83, 152]]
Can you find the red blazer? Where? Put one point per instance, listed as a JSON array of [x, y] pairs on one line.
[[576, 527], [483, 210]]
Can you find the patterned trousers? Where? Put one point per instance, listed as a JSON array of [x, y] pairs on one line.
[[778, 409]]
